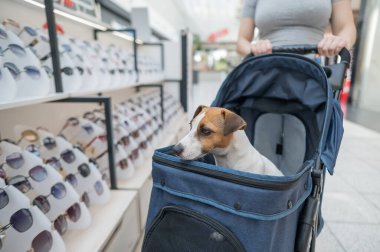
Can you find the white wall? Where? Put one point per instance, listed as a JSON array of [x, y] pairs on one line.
[[164, 15]]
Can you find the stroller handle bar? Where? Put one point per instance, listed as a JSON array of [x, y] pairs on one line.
[[306, 49], [335, 73]]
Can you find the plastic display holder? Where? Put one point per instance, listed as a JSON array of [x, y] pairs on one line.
[[27, 86], [129, 127], [85, 184], [26, 36], [8, 85], [91, 140], [80, 61], [57, 206], [29, 59], [21, 241], [11, 38], [128, 170], [42, 47], [91, 77], [71, 78], [30, 87]]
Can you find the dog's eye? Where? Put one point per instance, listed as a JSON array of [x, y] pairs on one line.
[[205, 131]]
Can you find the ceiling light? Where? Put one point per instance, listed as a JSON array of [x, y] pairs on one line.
[[69, 16]]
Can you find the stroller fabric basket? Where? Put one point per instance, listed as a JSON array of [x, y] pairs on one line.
[[294, 120]]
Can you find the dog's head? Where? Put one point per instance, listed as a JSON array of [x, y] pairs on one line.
[[211, 130]]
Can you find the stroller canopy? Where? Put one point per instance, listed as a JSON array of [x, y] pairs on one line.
[[294, 86]]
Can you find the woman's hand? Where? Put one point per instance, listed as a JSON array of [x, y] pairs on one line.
[[261, 47], [331, 45]]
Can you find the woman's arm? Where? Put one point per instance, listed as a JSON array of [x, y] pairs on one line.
[[343, 29], [247, 26], [244, 45]]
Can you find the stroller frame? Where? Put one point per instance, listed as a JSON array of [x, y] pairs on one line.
[[312, 173]]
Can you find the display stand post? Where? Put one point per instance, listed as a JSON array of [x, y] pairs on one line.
[[183, 83], [50, 19]]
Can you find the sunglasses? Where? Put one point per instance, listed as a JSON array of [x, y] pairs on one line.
[[81, 70], [123, 164], [15, 49], [125, 140], [37, 173], [143, 145], [71, 122], [98, 188], [150, 138], [93, 118], [135, 134], [83, 170], [48, 142], [67, 155], [48, 70], [8, 21], [134, 154], [68, 71], [31, 71], [3, 34], [88, 128], [58, 191], [32, 148], [21, 221], [14, 160], [42, 242], [73, 212], [29, 30]]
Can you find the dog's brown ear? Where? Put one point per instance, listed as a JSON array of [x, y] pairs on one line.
[[199, 109], [232, 122]]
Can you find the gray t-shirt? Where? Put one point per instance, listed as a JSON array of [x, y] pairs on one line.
[[289, 22]]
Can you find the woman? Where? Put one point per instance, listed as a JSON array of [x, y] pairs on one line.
[[289, 22]]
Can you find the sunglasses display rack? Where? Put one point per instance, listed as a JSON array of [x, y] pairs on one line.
[[24, 227], [112, 143], [45, 188], [70, 161]]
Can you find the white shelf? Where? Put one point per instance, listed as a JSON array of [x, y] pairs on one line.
[[101, 90], [32, 101], [104, 222], [139, 178], [150, 82], [60, 96]]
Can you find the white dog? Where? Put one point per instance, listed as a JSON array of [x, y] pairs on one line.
[[221, 132]]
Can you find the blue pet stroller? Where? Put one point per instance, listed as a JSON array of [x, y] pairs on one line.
[[290, 104]]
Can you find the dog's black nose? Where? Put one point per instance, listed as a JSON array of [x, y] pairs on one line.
[[178, 149]]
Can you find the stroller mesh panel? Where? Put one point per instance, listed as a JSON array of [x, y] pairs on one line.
[[282, 139], [286, 132]]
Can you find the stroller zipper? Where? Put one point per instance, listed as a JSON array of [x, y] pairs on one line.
[[251, 182]]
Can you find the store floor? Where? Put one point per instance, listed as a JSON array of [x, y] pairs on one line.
[[351, 204]]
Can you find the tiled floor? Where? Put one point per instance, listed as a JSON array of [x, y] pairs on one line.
[[351, 204]]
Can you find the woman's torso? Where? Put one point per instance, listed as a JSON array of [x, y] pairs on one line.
[[288, 22]]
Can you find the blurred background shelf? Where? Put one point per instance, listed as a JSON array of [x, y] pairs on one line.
[[32, 101]]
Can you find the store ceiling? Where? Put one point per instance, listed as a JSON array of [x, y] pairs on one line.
[[202, 17], [206, 17]]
